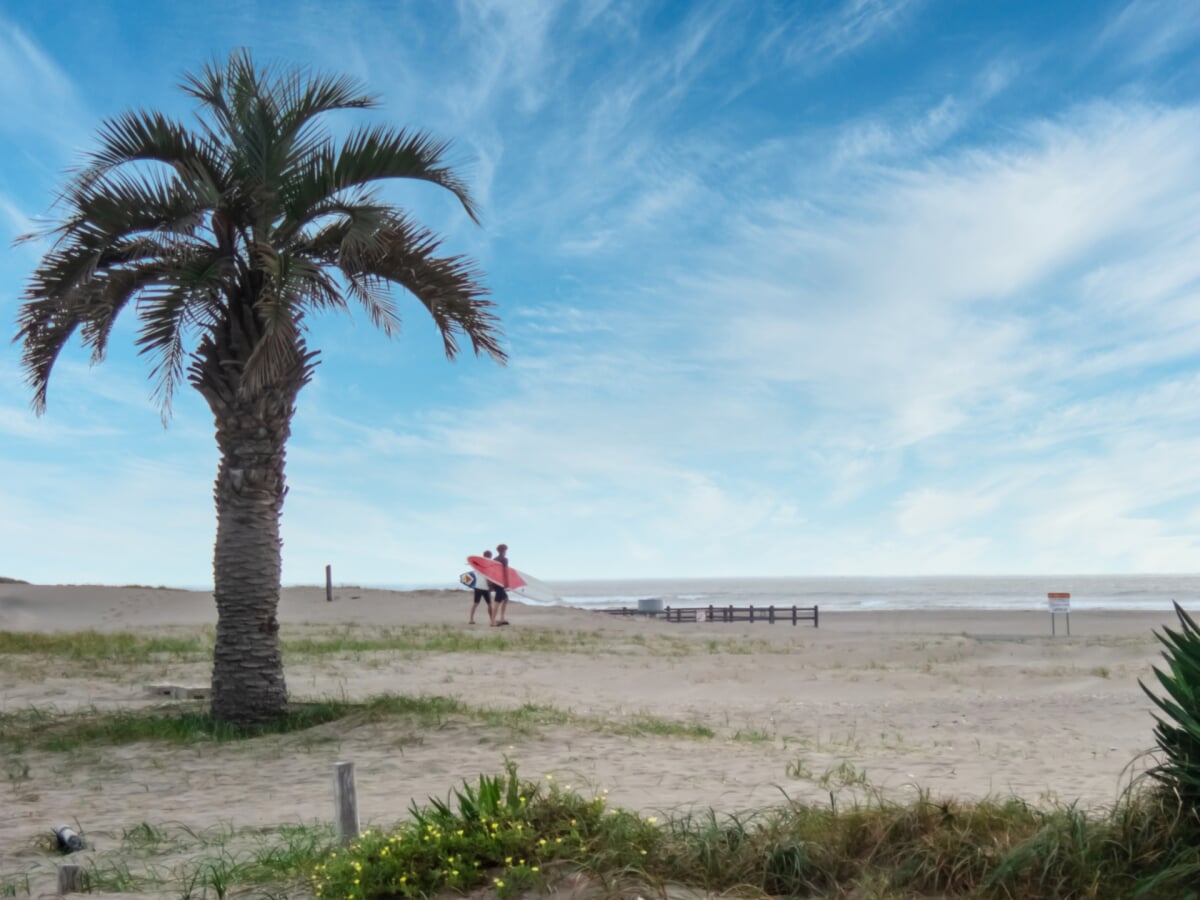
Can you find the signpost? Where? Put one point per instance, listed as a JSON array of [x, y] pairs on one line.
[[1059, 603]]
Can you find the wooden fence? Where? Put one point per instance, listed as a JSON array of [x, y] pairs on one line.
[[768, 614]]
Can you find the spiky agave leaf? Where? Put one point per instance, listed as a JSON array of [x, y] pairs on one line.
[[1177, 728]]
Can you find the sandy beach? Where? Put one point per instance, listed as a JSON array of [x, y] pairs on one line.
[[962, 704]]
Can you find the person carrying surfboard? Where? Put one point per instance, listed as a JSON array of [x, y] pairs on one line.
[[500, 590], [482, 593]]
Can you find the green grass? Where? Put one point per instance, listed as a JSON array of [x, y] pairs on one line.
[[212, 862], [94, 646], [42, 729], [127, 648], [455, 639], [37, 728]]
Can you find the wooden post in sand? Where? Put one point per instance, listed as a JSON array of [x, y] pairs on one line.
[[329, 584], [70, 880], [345, 801]]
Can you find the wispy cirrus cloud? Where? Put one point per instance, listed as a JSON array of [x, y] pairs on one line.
[[37, 94], [819, 40], [1146, 31]]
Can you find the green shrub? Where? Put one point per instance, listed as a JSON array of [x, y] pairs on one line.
[[1177, 731], [502, 833]]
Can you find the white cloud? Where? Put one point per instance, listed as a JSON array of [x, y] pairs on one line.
[[1146, 31], [852, 26], [37, 95]]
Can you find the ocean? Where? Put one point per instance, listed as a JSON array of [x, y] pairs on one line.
[[850, 594]]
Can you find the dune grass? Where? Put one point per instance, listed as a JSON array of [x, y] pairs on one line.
[[513, 836]]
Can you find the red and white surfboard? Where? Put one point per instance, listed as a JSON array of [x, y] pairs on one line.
[[493, 571]]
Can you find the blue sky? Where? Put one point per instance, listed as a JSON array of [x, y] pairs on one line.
[[849, 287]]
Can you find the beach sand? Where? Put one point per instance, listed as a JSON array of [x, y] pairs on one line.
[[962, 704]]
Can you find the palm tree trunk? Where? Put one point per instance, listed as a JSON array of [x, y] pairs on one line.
[[247, 683], [253, 426]]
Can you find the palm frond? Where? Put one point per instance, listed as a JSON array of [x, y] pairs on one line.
[[278, 311], [373, 294], [303, 97], [366, 156], [167, 310], [355, 228], [123, 204], [43, 329], [450, 288], [208, 86], [139, 136], [72, 264]]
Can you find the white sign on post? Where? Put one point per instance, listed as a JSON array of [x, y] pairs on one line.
[[1059, 603]]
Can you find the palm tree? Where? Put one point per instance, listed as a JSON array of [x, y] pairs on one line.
[[225, 238]]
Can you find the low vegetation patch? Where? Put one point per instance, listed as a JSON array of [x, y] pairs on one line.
[[97, 646], [36, 728], [53, 730], [442, 639], [131, 648], [513, 836]]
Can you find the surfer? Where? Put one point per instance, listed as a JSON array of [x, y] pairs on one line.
[[483, 594], [501, 592]]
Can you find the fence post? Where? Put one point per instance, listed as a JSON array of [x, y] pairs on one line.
[[793, 615], [345, 801], [751, 612], [329, 584], [70, 880], [771, 614], [816, 617]]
